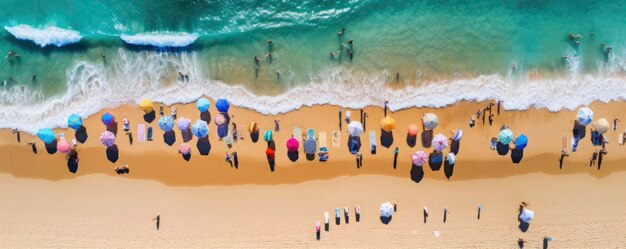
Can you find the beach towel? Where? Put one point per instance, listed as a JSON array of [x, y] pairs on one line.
[[322, 139], [310, 133], [297, 133], [141, 132], [372, 136], [149, 136], [620, 139], [336, 139]]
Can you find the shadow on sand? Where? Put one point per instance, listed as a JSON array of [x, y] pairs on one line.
[[293, 155], [204, 146], [113, 127], [502, 149], [72, 165], [427, 138], [254, 136], [51, 148], [386, 138], [149, 117], [516, 155], [448, 169], [417, 173], [169, 137], [411, 141], [206, 116], [81, 134], [455, 145], [435, 160], [385, 220], [187, 157], [186, 135], [113, 153]]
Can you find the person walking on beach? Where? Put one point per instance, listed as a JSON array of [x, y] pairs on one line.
[[277, 125], [484, 113], [563, 155], [130, 137], [600, 156], [615, 121], [229, 159], [126, 124], [173, 112], [158, 221], [499, 103], [472, 121], [361, 116], [364, 120], [348, 114], [445, 215], [235, 133], [17, 132], [161, 111], [33, 147], [235, 159], [340, 116], [490, 119], [520, 243], [425, 214], [359, 161], [386, 102], [395, 157], [594, 157]]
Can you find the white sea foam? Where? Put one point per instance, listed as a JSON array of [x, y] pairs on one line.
[[160, 40], [43, 37], [133, 76]]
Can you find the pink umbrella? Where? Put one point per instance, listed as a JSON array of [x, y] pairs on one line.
[[63, 146], [419, 158], [184, 149], [412, 130], [107, 138], [292, 144], [440, 142], [219, 119]]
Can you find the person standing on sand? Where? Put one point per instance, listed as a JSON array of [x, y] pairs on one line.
[[386, 102], [484, 113], [594, 156], [16, 131], [563, 155], [33, 147], [425, 214], [158, 220], [395, 157], [229, 159], [615, 121], [472, 121], [161, 111], [520, 243], [348, 114], [173, 112], [600, 156], [490, 119], [340, 116], [361, 116], [364, 120], [126, 124], [277, 125], [499, 103]]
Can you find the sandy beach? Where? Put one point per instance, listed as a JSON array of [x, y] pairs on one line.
[[206, 203]]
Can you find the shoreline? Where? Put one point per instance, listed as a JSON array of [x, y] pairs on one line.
[[157, 161]]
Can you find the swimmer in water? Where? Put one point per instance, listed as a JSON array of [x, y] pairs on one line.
[[33, 77], [577, 43], [343, 30], [514, 66], [256, 59]]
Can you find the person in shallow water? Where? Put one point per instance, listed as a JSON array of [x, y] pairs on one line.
[[343, 30]]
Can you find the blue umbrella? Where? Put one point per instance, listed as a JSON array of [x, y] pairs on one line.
[[108, 118], [521, 142], [200, 128], [203, 105], [46, 135], [166, 123], [222, 130], [74, 121], [222, 105], [310, 146], [584, 116]]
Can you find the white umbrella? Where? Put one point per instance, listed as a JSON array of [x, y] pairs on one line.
[[527, 215], [430, 121], [601, 125], [355, 128], [451, 158], [386, 210]]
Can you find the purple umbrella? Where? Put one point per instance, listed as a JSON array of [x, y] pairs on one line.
[[107, 138]]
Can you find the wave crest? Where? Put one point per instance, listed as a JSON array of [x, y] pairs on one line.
[[47, 36], [160, 40]]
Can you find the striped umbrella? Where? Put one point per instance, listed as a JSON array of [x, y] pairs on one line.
[[46, 135], [203, 105], [107, 138], [440, 142], [166, 123], [183, 123], [419, 158], [310, 146], [457, 135], [74, 121], [200, 128], [584, 116]]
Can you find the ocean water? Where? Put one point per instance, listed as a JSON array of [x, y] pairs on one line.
[[445, 51]]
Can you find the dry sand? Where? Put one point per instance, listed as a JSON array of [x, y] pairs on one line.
[[580, 206]]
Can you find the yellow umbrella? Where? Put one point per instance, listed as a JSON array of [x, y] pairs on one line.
[[146, 105], [252, 128], [387, 124]]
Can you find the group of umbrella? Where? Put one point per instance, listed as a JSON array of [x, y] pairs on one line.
[[584, 117]]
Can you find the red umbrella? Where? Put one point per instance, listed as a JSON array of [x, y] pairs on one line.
[[412, 130], [270, 153]]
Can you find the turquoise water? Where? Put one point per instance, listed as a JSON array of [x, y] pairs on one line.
[[427, 42]]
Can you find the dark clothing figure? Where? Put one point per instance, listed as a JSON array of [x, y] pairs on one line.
[[499, 102], [130, 138], [484, 113], [600, 156], [364, 120], [594, 157], [158, 221], [386, 102], [340, 121], [236, 160], [490, 119], [17, 132], [33, 147], [395, 157]]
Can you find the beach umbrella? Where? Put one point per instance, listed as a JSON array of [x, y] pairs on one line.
[[269, 153], [267, 136], [457, 135], [200, 128], [412, 130], [107, 138], [222, 105], [386, 210], [521, 142], [63, 146], [219, 119], [584, 116], [183, 123], [440, 142], [387, 124], [451, 158], [46, 135], [253, 128], [430, 121], [527, 215], [310, 146], [74, 121], [355, 128], [292, 144], [601, 125], [505, 136], [107, 118], [419, 158], [166, 123], [184, 149], [203, 105], [146, 106]]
